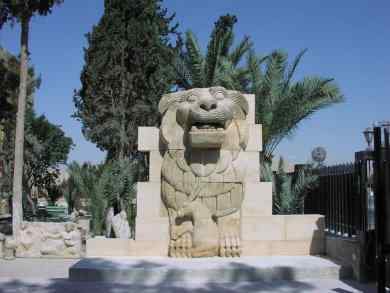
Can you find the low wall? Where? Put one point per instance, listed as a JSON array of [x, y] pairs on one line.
[[265, 235], [353, 252], [49, 239]]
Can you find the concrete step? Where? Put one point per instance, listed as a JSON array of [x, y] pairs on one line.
[[154, 270]]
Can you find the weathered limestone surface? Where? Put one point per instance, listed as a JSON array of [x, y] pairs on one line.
[[203, 174], [204, 196], [41, 239], [263, 235]]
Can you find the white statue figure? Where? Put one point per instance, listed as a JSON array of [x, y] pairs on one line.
[[121, 226]]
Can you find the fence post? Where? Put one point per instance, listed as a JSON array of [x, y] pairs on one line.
[[379, 211]]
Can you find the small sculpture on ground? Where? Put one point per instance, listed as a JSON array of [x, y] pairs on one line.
[[204, 130], [121, 226], [4, 207], [118, 224], [108, 221]]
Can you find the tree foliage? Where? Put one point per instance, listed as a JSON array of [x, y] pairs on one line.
[[281, 102], [103, 186], [46, 145], [289, 190], [21, 11], [220, 65], [127, 70], [16, 10]]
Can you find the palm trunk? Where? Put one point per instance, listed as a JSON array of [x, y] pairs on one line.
[[17, 205]]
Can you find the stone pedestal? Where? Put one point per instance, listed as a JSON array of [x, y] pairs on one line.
[[162, 271]]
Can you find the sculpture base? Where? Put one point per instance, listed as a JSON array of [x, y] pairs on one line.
[[153, 270]]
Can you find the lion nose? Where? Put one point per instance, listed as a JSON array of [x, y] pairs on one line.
[[208, 105]]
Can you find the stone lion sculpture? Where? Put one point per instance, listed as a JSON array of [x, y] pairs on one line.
[[203, 130]]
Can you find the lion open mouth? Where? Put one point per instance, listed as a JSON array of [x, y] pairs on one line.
[[207, 127], [207, 135]]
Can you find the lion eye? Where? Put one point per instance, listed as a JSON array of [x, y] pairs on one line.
[[219, 95]]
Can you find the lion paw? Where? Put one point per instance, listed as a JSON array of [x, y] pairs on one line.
[[230, 245], [181, 247]]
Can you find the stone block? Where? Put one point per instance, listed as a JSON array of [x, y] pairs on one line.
[[101, 247], [250, 274], [252, 164], [155, 163], [148, 199], [304, 227], [283, 247], [257, 199], [251, 103], [255, 141], [115, 247], [152, 229], [149, 248], [315, 246], [148, 139], [263, 228]]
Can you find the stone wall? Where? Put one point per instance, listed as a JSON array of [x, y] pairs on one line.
[[355, 253], [47, 239]]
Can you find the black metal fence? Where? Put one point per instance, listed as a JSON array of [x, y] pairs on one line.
[[355, 199], [337, 198]]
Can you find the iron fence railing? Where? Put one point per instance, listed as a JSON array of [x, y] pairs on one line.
[[337, 199]]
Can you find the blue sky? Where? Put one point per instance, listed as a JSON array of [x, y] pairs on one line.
[[347, 40]]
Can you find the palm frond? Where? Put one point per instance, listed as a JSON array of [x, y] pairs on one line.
[[292, 69], [274, 75], [195, 60], [242, 48]]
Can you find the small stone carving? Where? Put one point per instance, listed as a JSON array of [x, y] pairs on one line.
[[71, 239], [204, 131], [26, 240], [37, 239], [53, 243], [9, 248], [4, 207]]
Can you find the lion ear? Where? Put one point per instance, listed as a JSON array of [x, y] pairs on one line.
[[171, 133], [240, 101], [168, 100]]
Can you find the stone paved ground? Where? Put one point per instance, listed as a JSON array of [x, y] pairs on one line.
[[50, 276]]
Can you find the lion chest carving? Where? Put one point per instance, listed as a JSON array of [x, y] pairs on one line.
[[204, 131]]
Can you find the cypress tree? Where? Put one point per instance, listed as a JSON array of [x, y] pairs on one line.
[[127, 69]]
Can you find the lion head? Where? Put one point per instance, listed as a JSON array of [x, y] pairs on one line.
[[204, 118]]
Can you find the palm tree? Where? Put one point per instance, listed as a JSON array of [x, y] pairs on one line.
[[221, 63], [110, 185], [281, 103], [289, 190]]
